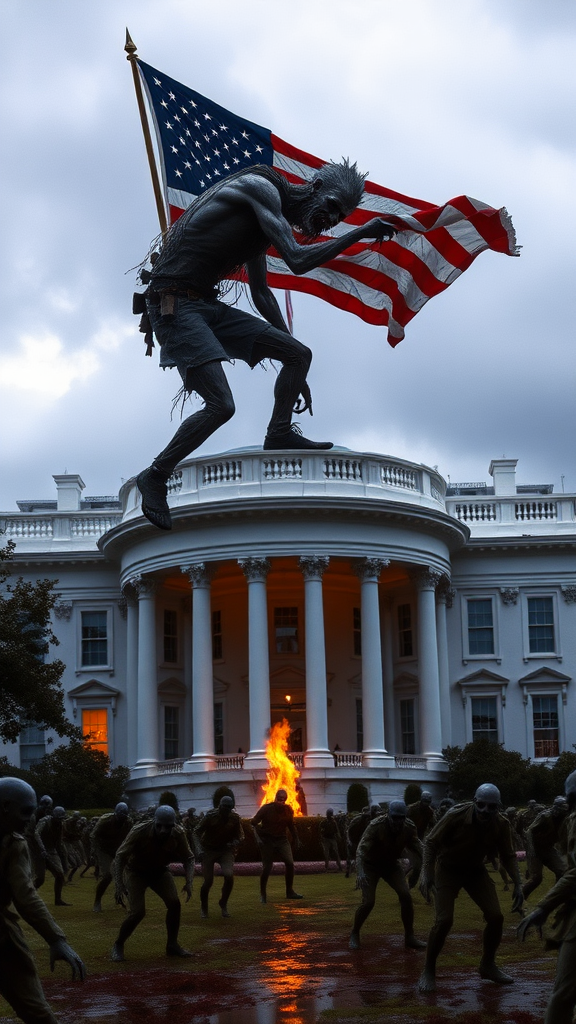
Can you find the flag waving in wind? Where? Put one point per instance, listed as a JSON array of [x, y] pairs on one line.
[[200, 143]]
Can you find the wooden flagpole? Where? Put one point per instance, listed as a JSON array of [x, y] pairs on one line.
[[130, 49]]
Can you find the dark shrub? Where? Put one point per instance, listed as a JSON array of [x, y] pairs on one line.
[[356, 798], [168, 799], [412, 793], [219, 793]]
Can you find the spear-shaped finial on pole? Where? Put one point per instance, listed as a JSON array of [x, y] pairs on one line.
[[130, 48]]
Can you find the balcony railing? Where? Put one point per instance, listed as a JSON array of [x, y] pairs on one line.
[[491, 516], [342, 759]]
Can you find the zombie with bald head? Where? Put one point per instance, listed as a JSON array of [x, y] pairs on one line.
[[562, 934], [141, 863], [218, 836], [272, 825], [107, 837], [384, 841], [19, 981], [454, 854], [228, 228], [50, 835], [329, 836], [542, 839]]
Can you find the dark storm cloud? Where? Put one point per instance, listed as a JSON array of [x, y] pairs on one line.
[[433, 99]]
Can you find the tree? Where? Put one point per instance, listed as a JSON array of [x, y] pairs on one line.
[[482, 761], [78, 776], [30, 688]]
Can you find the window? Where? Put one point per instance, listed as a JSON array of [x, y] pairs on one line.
[[541, 626], [94, 639], [217, 636], [218, 727], [286, 630], [485, 719], [545, 715], [170, 636], [359, 726], [357, 632], [407, 727], [95, 729], [480, 626], [32, 745], [405, 645], [171, 732]]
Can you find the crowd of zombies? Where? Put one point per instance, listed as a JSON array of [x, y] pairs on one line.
[[439, 850]]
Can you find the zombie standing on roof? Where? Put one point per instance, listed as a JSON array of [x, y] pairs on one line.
[[228, 227]]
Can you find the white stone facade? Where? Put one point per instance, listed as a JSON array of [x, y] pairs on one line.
[[344, 591]]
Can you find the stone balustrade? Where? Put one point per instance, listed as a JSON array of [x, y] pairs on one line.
[[515, 515], [49, 529], [253, 473]]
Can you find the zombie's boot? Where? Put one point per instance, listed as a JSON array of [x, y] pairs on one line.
[[354, 941], [117, 953], [291, 439], [174, 949], [294, 895], [411, 942], [152, 486], [224, 908]]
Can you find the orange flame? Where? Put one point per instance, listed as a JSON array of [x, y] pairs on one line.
[[282, 773]]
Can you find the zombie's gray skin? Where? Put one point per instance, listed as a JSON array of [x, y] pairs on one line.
[[356, 828], [329, 835], [49, 832], [230, 226], [442, 808], [381, 846], [271, 823], [108, 836], [562, 934], [19, 981], [542, 837], [422, 813], [454, 854], [142, 863], [525, 818], [218, 836]]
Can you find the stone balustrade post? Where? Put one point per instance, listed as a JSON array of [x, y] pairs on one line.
[[317, 753], [256, 571], [374, 753], [203, 757]]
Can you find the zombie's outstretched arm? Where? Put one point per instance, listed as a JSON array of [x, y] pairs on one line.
[[265, 201], [262, 296]]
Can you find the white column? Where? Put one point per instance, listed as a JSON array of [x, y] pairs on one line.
[[203, 758], [256, 570], [388, 675], [426, 580], [444, 597], [147, 718], [317, 751], [131, 674], [374, 752]]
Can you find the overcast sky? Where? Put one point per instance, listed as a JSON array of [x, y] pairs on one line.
[[434, 98]]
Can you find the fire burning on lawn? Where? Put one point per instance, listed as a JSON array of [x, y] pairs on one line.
[[282, 773]]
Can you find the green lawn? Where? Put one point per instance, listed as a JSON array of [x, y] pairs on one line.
[[284, 948]]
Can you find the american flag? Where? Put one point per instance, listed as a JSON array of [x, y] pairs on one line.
[[200, 143]]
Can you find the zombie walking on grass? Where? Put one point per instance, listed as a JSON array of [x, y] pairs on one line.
[[107, 837], [271, 824], [142, 863], [19, 981], [454, 854], [218, 836], [379, 851]]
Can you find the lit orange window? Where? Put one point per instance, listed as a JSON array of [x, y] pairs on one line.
[[95, 729]]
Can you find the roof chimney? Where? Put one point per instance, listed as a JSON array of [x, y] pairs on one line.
[[69, 487], [503, 472]]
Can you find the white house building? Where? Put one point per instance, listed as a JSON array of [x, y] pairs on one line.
[[384, 615]]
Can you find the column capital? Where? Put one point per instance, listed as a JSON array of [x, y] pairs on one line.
[[199, 573], [369, 568], [143, 586], [509, 595], [255, 569], [445, 593], [569, 593], [425, 577], [313, 567]]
